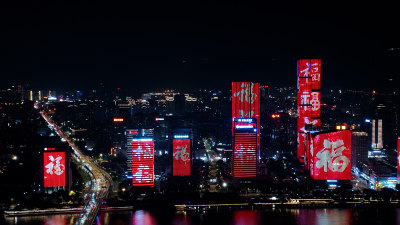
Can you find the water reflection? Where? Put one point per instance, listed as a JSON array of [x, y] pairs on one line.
[[324, 216], [378, 215], [181, 219], [142, 217], [246, 217], [56, 220], [63, 219]]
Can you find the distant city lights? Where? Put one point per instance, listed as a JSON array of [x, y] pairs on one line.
[[118, 120]]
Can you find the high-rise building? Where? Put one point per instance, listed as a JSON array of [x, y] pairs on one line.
[[398, 159], [330, 156], [56, 168], [181, 158], [245, 154], [308, 101], [246, 104], [143, 162], [130, 135], [359, 149], [377, 141]]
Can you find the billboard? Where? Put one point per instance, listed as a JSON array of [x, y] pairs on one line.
[[142, 162], [181, 157], [308, 99], [54, 169], [246, 103], [245, 154], [331, 156]]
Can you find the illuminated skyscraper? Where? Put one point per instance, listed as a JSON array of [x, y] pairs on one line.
[[56, 168], [181, 158], [142, 162], [245, 154], [130, 135], [330, 157], [308, 100], [246, 103], [377, 141]]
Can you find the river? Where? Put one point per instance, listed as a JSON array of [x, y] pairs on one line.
[[384, 216]]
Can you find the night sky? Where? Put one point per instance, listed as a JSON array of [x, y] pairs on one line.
[[204, 45]]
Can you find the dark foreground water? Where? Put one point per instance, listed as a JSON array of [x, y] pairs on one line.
[[384, 216]]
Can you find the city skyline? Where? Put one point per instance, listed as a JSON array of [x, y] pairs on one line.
[[199, 113]]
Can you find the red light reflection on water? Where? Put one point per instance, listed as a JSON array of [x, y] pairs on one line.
[[246, 217], [57, 220], [324, 216], [142, 217]]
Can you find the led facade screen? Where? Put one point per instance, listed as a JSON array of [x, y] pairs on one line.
[[54, 169], [246, 103], [398, 158], [302, 122], [143, 162], [308, 99], [331, 153], [315, 70], [244, 163], [181, 157]]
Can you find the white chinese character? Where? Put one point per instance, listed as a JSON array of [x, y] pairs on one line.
[[331, 157], [242, 113], [305, 98], [242, 151], [138, 152], [56, 168], [315, 67], [315, 104], [239, 152], [182, 154], [142, 153], [304, 72], [143, 174], [246, 93], [316, 77]]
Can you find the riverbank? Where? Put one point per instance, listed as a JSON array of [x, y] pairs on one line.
[[292, 204]]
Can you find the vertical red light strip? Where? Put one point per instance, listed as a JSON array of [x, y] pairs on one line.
[[181, 157], [331, 154], [308, 101], [142, 162], [398, 158], [54, 169]]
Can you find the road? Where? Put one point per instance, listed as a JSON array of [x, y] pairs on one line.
[[98, 186]]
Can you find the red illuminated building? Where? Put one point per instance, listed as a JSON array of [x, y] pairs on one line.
[[308, 100], [398, 158], [181, 162], [331, 156], [142, 162], [245, 154], [246, 103], [55, 168]]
